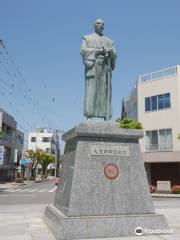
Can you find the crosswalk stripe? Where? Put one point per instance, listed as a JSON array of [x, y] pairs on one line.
[[8, 190], [33, 190], [53, 189], [16, 190], [25, 190], [20, 190], [43, 190]]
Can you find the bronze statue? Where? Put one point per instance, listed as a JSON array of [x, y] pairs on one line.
[[99, 57]]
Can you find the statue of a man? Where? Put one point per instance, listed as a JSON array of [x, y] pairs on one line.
[[99, 57]]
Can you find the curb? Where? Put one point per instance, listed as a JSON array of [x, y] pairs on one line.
[[165, 195], [15, 185]]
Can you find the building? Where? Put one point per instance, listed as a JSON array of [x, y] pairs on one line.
[[155, 102], [11, 146], [44, 139]]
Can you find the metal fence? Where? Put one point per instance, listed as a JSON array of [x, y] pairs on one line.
[[159, 147], [167, 72]]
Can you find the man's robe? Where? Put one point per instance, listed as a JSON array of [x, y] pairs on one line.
[[96, 75]]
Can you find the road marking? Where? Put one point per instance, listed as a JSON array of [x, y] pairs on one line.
[[25, 190], [16, 190], [30, 190], [53, 189], [15, 195], [8, 190], [33, 190], [43, 190]]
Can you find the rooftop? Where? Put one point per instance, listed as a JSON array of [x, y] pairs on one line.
[[167, 72]]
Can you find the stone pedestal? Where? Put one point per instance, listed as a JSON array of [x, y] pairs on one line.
[[103, 190]]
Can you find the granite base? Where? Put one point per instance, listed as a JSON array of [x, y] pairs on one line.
[[103, 190], [68, 228]]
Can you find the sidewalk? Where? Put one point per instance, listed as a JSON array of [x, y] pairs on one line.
[[25, 222], [13, 184]]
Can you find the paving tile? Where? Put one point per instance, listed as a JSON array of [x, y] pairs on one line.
[[43, 237], [17, 237], [12, 229], [171, 237], [130, 238]]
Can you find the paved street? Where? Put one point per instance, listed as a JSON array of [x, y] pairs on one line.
[[22, 208], [33, 193]]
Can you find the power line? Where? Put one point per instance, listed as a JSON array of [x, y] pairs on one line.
[[21, 85]]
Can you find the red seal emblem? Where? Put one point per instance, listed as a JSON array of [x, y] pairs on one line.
[[111, 171]]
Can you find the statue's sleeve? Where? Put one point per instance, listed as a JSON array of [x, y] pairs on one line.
[[113, 57], [88, 54]]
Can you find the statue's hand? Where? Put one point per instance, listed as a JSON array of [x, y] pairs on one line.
[[99, 51], [108, 52]]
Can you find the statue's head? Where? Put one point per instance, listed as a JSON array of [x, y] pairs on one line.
[[99, 26]]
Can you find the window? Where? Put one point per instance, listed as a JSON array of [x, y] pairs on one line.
[[167, 100], [48, 150], [159, 140], [1, 154], [158, 102], [154, 137], [147, 104], [21, 140], [33, 139], [152, 140], [154, 102], [165, 138], [9, 131], [46, 139]]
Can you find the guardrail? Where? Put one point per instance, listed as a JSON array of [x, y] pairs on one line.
[[167, 72], [159, 147]]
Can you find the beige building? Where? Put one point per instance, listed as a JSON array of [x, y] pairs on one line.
[[155, 102]]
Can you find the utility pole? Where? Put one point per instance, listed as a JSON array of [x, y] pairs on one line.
[[58, 151]]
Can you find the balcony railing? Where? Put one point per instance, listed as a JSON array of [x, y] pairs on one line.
[[167, 72], [159, 147], [7, 139]]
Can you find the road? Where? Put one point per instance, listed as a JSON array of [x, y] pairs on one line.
[[44, 192], [33, 193]]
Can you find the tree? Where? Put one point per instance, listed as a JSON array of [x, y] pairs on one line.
[[129, 123], [35, 156], [39, 157], [46, 159]]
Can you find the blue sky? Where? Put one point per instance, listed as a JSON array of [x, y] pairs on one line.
[[43, 39]]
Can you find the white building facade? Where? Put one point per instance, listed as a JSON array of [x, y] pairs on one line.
[[44, 139], [155, 102]]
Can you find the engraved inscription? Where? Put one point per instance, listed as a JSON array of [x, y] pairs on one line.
[[110, 150], [111, 171]]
